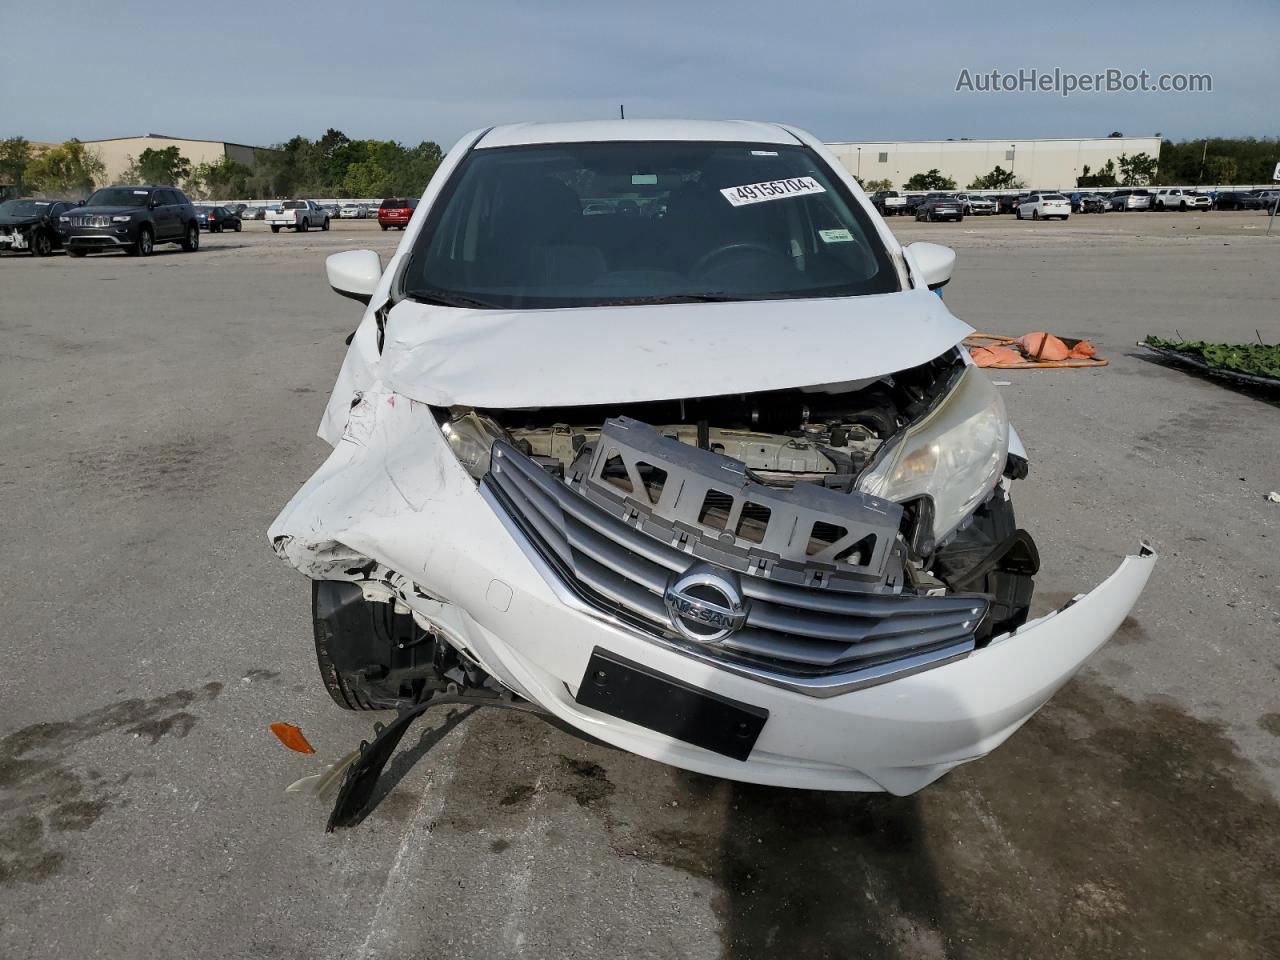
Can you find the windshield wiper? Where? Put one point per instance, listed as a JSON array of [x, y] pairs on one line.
[[445, 298], [675, 298]]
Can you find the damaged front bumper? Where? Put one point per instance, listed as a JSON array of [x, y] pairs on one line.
[[454, 555]]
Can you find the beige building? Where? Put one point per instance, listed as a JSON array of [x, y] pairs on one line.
[[116, 154], [1039, 164]]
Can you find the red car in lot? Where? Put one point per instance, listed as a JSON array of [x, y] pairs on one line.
[[395, 212]]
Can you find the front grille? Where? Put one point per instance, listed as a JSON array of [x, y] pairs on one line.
[[794, 630], [90, 221]]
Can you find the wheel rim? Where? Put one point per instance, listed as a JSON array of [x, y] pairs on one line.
[[193, 237], [42, 245], [144, 242]]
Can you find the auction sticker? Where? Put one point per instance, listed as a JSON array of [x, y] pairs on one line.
[[771, 190]]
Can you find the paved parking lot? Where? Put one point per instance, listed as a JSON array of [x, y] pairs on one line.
[[157, 414]]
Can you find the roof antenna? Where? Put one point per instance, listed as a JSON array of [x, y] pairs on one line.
[[622, 111]]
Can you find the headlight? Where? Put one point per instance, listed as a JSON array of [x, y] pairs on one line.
[[123, 218], [64, 219], [471, 437], [954, 455]]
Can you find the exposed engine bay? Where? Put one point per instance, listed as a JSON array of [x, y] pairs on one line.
[[817, 443]]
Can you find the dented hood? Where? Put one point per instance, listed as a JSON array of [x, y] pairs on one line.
[[533, 358]]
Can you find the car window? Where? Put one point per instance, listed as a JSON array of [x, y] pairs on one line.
[[673, 221], [293, 205]]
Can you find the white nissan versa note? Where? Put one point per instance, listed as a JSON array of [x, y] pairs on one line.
[[705, 474]]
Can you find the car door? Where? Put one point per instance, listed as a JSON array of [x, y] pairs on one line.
[[166, 215]]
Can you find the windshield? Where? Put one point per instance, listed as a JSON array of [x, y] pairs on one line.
[[565, 225], [23, 208], [1053, 196], [119, 197], [294, 205]]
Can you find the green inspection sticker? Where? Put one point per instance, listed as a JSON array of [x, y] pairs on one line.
[[836, 236]]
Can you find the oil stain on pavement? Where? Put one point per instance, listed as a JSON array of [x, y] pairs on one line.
[[42, 792], [1105, 827]]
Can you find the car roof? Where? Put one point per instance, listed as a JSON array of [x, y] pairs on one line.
[[593, 131]]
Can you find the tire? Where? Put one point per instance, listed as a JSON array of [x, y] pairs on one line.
[[1183, 206], [383, 226], [1017, 213], [329, 601], [191, 242], [304, 226], [1035, 214], [237, 228], [73, 252], [145, 245], [325, 226], [275, 229], [41, 245]]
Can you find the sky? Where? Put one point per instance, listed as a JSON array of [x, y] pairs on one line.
[[261, 72]]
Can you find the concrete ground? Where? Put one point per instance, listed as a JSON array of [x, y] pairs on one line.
[[156, 415]]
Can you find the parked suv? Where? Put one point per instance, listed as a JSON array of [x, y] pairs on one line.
[[27, 224], [396, 212], [1130, 200], [133, 219], [1175, 198]]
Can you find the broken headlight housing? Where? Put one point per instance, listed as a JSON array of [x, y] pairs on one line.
[[470, 436], [953, 455]]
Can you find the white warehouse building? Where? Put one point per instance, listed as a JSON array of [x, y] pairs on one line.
[[1039, 164]]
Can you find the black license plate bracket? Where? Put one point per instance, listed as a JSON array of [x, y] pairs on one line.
[[633, 692]]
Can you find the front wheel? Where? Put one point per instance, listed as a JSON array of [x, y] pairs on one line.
[[41, 245], [191, 242], [325, 227], [145, 243], [237, 228], [1018, 214], [367, 651], [1035, 214]]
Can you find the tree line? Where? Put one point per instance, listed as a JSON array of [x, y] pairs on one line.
[[337, 166], [332, 166]]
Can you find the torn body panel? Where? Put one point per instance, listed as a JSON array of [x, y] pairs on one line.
[[395, 510]]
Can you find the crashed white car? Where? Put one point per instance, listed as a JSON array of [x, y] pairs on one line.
[[705, 476]]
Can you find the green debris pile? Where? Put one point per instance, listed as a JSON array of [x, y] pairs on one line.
[[1256, 359]]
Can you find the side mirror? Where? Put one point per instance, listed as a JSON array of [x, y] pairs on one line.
[[354, 273], [934, 261]]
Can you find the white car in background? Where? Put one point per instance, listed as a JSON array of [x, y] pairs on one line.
[[1176, 198], [582, 468], [351, 211], [298, 215], [1044, 206]]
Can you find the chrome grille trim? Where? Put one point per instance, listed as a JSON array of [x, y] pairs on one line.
[[814, 641]]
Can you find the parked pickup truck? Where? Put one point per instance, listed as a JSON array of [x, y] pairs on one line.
[[889, 202], [300, 215]]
